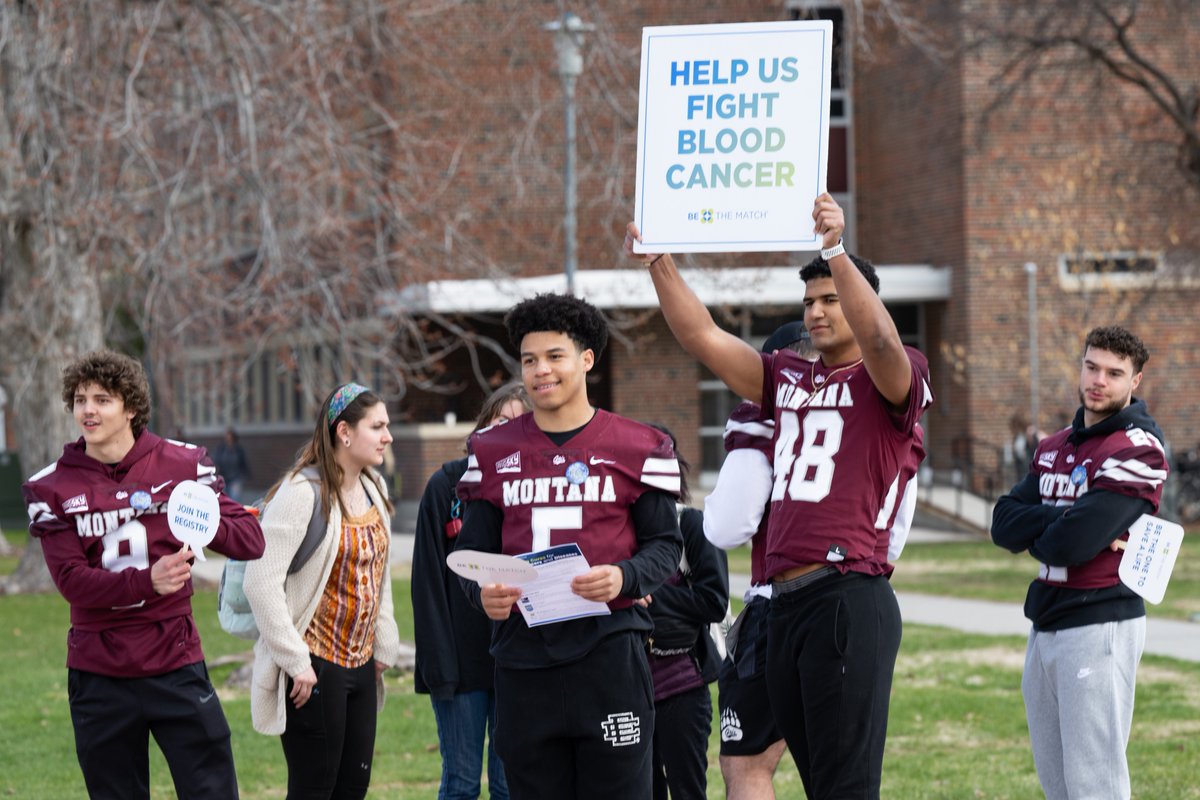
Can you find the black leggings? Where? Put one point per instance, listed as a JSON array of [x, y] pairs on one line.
[[831, 650], [329, 742], [681, 727]]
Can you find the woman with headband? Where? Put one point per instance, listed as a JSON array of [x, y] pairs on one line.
[[326, 629]]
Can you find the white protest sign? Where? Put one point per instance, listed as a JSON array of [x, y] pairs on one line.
[[1150, 556], [485, 568], [193, 512], [733, 136]]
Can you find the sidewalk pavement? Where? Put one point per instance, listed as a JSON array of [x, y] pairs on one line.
[[1172, 638]]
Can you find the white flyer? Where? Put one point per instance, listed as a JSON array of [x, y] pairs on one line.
[[549, 597]]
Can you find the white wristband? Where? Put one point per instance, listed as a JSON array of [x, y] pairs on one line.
[[833, 252]]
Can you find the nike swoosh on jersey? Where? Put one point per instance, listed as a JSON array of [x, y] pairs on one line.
[[161, 486]]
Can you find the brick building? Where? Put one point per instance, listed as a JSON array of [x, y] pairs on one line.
[[951, 183]]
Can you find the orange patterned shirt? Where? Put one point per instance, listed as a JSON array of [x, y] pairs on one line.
[[343, 629]]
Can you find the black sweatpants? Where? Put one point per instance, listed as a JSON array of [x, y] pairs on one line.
[[681, 727], [114, 717], [329, 742], [831, 651], [580, 730]]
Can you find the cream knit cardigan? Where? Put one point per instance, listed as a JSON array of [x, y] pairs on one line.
[[284, 604]]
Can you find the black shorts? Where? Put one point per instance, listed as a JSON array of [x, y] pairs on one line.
[[747, 724]]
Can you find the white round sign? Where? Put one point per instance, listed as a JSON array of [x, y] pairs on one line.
[[1150, 556], [193, 512]]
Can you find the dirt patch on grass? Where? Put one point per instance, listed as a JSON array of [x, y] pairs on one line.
[[996, 656]]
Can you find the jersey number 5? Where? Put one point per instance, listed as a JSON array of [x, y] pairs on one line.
[[544, 519], [806, 476]]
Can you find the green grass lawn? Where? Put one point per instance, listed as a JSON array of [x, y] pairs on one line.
[[957, 725], [982, 571]]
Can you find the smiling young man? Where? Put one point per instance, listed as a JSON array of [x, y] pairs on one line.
[[574, 703], [1087, 484], [134, 661], [844, 426]]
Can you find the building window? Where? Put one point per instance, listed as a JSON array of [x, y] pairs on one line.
[[259, 392], [840, 178], [1116, 270]]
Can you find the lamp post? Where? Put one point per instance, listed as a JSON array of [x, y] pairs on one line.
[[1031, 271], [568, 43]]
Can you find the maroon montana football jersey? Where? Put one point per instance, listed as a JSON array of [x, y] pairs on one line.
[[901, 502], [102, 528], [578, 493], [748, 428], [838, 451], [1128, 462]]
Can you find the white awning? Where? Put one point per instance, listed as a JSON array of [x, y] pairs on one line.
[[632, 289]]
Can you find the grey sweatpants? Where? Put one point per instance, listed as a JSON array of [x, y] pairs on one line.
[[1078, 687]]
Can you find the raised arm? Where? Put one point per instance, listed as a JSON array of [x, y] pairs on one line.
[[732, 360], [883, 353]]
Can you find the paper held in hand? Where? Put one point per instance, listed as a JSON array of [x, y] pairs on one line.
[[550, 598], [485, 568], [193, 514], [1150, 556], [544, 576]]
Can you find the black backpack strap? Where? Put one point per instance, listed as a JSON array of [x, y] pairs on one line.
[[317, 523]]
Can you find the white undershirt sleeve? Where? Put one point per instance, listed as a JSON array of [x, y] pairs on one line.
[[736, 505]]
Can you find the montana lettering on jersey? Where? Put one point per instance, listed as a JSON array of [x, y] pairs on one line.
[[835, 395], [102, 523], [527, 491], [1063, 489]]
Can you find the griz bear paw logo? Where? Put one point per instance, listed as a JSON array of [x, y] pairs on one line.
[[731, 726]]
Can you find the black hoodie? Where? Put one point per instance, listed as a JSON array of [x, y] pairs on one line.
[[452, 637]]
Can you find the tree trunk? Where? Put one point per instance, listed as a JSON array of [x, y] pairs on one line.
[[49, 291], [31, 364]]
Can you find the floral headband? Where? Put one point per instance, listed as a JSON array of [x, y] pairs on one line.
[[343, 397]]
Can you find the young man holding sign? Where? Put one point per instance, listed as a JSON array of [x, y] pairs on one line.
[[845, 425], [134, 661], [1087, 484], [574, 701]]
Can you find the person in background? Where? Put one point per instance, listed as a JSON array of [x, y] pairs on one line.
[[453, 665], [683, 656], [135, 667], [327, 632], [1086, 485], [230, 458]]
